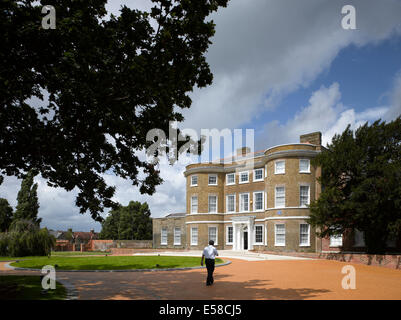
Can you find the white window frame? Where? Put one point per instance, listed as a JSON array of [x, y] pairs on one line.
[[276, 244], [275, 197], [208, 180], [227, 211], [239, 177], [177, 243], [227, 238], [240, 202], [275, 167], [265, 200], [197, 203], [194, 185], [336, 241], [254, 175], [229, 174], [304, 171], [266, 171], [217, 234], [193, 243], [263, 234], [308, 202], [166, 236], [254, 201], [307, 244], [208, 202]]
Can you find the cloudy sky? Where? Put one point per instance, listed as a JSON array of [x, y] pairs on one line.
[[282, 68]]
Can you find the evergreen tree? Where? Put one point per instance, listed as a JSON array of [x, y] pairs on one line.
[[28, 205], [6, 213], [361, 184]]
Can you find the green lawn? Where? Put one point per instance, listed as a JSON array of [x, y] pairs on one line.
[[77, 253], [28, 288], [111, 262]]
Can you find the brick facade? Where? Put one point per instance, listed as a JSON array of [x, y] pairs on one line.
[[280, 225], [170, 223]]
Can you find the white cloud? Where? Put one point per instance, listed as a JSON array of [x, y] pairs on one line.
[[58, 210], [326, 113], [264, 49], [57, 206]]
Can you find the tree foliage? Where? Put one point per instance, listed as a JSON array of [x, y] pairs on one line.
[[361, 184], [25, 238], [6, 214], [27, 201], [132, 222], [77, 101]]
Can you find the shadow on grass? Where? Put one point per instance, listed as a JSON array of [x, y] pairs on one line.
[[23, 287]]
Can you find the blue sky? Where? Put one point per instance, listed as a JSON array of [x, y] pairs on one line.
[[365, 75], [281, 67]]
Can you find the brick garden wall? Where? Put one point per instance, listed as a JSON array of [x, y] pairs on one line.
[[387, 260], [133, 244], [107, 245], [63, 245], [101, 245]]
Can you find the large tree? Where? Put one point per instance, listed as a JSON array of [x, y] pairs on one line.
[[6, 214], [361, 184], [103, 83], [27, 201], [130, 222]]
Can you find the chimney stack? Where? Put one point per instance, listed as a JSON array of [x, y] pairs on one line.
[[311, 138], [243, 151]]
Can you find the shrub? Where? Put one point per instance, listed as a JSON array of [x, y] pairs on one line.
[[25, 238]]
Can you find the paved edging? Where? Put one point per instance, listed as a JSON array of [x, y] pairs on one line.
[[72, 292], [128, 270]]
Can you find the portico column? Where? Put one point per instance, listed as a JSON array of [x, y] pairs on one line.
[[235, 242], [238, 237], [251, 234]]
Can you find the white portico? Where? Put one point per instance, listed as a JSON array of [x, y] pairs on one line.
[[243, 228]]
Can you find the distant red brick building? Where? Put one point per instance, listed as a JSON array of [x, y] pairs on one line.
[[74, 241]]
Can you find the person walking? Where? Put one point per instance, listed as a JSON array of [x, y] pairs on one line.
[[209, 254]]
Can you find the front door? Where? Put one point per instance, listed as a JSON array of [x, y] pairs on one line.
[[245, 240]]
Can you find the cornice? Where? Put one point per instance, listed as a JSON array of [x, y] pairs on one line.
[[259, 163]]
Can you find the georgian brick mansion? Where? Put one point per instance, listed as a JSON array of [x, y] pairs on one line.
[[262, 206]]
